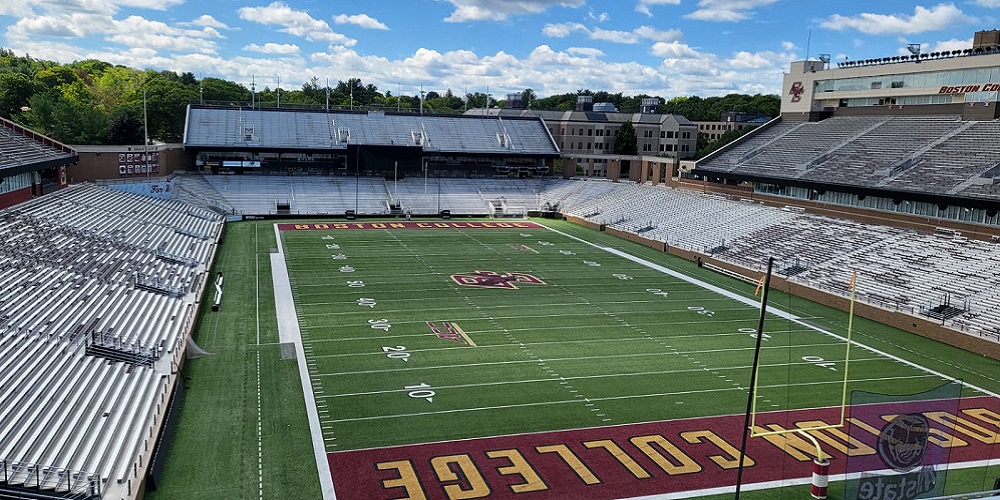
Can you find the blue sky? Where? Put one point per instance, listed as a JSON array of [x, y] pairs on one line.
[[660, 47]]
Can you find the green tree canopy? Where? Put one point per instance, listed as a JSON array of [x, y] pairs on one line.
[[626, 142]]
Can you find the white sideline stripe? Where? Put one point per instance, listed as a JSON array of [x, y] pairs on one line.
[[766, 485], [773, 310], [288, 331]]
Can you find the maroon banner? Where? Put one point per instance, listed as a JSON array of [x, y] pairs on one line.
[[337, 226], [672, 456]]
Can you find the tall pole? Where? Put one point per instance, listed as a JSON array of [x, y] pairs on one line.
[[328, 95], [397, 97], [357, 178], [145, 127], [395, 181], [279, 91], [751, 393]]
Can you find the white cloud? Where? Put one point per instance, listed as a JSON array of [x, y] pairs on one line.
[[294, 22], [643, 5], [562, 30], [988, 3], [206, 21], [674, 50], [787, 45], [363, 20], [603, 16], [150, 4], [273, 48], [585, 51], [945, 46], [923, 19], [726, 10], [492, 10]]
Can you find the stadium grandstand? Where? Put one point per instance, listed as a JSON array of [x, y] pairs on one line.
[[913, 134], [24, 156], [98, 296], [375, 143]]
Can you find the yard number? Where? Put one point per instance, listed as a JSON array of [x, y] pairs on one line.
[[420, 391], [622, 276], [753, 333], [339, 256], [657, 291], [820, 362], [379, 324], [399, 352], [591, 263], [365, 301], [701, 310], [333, 246], [346, 269], [356, 284]]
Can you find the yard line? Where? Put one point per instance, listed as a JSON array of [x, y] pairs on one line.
[[603, 376], [615, 340], [535, 361], [544, 403], [773, 310]]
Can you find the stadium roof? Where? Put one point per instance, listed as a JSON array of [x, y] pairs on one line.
[[23, 150], [584, 116], [280, 129]]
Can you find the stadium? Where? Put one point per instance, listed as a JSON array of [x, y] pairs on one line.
[[320, 304]]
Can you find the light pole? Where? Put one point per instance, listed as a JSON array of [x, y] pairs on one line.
[[357, 177]]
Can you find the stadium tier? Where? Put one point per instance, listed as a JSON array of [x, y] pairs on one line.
[[98, 291], [290, 130], [936, 154]]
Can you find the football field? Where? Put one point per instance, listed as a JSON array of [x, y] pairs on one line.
[[469, 359]]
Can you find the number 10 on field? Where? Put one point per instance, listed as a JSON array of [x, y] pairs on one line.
[[420, 391]]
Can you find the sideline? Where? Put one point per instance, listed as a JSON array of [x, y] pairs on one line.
[[288, 331], [771, 309]]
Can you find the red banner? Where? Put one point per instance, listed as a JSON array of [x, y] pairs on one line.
[[339, 226]]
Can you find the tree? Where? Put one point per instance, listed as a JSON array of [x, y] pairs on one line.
[[15, 90], [626, 142], [125, 129]]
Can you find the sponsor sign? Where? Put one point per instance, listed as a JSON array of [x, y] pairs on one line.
[[326, 226], [686, 456]]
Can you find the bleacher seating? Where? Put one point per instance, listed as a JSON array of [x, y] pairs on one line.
[[16, 148], [939, 154], [87, 357]]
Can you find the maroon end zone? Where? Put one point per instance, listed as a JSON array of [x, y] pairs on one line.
[[652, 458], [339, 226]]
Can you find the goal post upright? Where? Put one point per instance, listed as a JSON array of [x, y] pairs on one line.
[[820, 464]]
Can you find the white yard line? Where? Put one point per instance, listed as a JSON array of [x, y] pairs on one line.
[[610, 398], [773, 310], [288, 331]]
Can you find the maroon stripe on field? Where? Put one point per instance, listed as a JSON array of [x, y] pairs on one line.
[[644, 459], [340, 226]]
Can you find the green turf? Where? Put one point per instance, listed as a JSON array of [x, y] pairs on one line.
[[593, 332]]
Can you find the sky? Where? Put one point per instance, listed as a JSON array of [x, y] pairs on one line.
[[667, 48]]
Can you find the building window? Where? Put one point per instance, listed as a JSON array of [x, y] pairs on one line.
[[670, 134], [590, 132]]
